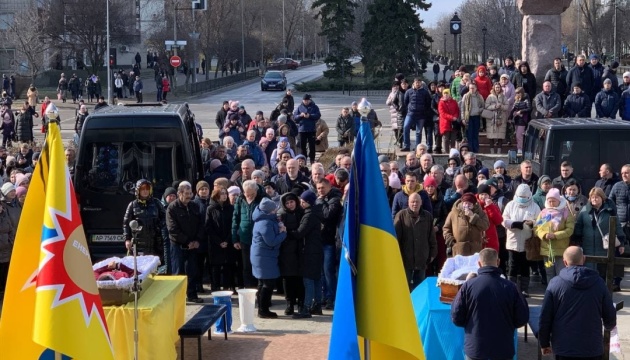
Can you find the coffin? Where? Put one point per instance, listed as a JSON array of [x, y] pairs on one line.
[[119, 292], [453, 275]]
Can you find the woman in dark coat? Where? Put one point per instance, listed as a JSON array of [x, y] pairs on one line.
[[440, 212], [290, 252], [312, 258], [7, 237], [219, 230], [24, 125]]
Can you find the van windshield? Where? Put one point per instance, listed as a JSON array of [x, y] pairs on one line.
[[114, 167]]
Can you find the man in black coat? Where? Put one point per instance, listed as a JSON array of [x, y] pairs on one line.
[[607, 178], [490, 309], [578, 104], [576, 304], [185, 224], [582, 74], [330, 200], [149, 214], [219, 119]]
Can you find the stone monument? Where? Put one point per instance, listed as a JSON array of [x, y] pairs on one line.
[[541, 34]]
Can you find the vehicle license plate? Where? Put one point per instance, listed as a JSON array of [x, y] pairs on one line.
[[108, 238]]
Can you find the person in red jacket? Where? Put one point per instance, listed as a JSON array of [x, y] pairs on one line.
[[484, 84], [166, 87], [494, 215], [449, 113]]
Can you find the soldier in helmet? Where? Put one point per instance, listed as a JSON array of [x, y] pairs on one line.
[[150, 214]]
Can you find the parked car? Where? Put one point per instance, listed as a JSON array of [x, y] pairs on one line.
[[273, 80], [290, 63]]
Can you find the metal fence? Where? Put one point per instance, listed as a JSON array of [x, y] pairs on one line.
[[213, 84]]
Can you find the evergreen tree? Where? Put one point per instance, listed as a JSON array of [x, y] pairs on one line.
[[337, 17], [393, 38]]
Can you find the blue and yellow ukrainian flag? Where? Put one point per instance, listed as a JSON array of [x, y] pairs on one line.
[[52, 308], [373, 300]]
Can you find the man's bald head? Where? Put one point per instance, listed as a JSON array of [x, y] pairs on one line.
[[461, 182], [573, 256]]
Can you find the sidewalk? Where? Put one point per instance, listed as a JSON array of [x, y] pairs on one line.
[[149, 83]]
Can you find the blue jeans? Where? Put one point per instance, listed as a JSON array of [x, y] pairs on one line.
[[312, 291], [184, 262], [330, 272], [472, 133], [407, 127], [159, 93]]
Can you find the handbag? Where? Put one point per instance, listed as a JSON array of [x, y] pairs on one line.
[[605, 240], [532, 249], [488, 114]]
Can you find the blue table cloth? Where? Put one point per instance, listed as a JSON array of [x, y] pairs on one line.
[[441, 339]]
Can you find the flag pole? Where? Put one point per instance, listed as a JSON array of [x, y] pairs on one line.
[[366, 349], [57, 356]]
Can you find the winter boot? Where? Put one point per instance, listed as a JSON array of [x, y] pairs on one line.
[[290, 308], [524, 286], [303, 314], [300, 305], [316, 309]]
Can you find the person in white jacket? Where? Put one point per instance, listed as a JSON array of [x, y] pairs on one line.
[[518, 218]]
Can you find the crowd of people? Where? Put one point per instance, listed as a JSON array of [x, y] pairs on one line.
[[500, 102]]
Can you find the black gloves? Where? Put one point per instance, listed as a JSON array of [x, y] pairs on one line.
[[517, 225]]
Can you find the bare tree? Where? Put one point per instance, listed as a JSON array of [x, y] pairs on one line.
[[84, 32], [25, 36]]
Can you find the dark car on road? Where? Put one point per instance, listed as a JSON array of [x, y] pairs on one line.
[[273, 80], [290, 63]]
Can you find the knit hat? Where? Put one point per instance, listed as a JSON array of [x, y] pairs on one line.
[[481, 68], [170, 191], [201, 184], [19, 179], [309, 197], [267, 206], [21, 190], [626, 74], [215, 163], [607, 81], [493, 181], [485, 172], [282, 119], [469, 197], [283, 138], [446, 92], [483, 189], [300, 156], [504, 76], [383, 159], [394, 181], [306, 97], [499, 164], [543, 179], [523, 190], [263, 141], [553, 193], [7, 188], [429, 181], [593, 57], [234, 190]]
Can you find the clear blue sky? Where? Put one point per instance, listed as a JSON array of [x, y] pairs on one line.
[[438, 8]]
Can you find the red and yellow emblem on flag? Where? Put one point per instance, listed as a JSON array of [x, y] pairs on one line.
[[52, 304]]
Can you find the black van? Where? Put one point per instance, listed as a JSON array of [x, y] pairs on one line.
[[586, 143], [120, 145]]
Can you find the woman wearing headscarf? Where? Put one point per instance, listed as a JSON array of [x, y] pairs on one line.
[[554, 227], [518, 218]]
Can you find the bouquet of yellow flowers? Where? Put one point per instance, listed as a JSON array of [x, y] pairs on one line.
[[552, 259]]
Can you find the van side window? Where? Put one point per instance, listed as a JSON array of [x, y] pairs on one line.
[[581, 148], [534, 147]]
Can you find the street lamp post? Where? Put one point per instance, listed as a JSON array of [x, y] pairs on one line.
[[444, 44], [284, 41], [109, 73], [242, 36], [484, 31]]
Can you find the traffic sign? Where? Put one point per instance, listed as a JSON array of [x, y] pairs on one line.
[[176, 61]]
